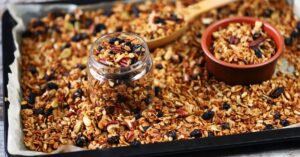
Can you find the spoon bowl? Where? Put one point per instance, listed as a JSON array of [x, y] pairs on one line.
[[190, 13]]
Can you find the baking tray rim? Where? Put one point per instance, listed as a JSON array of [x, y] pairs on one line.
[[155, 149]]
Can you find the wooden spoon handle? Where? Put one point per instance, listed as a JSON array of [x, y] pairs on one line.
[[192, 11]]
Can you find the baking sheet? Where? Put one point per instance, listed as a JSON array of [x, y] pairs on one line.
[[22, 15]]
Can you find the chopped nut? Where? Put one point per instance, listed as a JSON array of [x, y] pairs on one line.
[[112, 128], [77, 126], [66, 53], [54, 103], [86, 121]]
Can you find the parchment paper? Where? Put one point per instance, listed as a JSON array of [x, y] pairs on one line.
[[22, 15]]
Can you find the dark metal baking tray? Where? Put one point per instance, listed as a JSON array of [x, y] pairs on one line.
[[224, 145]]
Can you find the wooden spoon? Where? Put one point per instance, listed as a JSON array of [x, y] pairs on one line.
[[190, 13]]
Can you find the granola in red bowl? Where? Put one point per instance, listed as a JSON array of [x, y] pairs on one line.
[[243, 44], [241, 50]]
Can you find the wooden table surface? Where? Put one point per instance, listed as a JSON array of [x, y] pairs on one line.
[[261, 152]]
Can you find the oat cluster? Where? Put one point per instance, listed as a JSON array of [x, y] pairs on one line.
[[243, 44], [186, 103]]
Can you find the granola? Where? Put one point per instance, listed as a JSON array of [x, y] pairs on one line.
[[119, 51], [120, 72], [187, 102], [155, 20], [243, 44]]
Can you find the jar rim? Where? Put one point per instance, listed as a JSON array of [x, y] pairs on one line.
[[131, 67]]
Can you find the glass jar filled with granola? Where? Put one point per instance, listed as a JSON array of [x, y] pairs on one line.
[[119, 69]]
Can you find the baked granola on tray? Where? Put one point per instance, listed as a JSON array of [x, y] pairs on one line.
[[187, 101]]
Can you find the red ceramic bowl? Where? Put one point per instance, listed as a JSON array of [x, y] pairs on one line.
[[241, 74]]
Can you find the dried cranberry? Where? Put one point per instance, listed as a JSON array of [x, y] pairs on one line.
[[135, 143], [211, 134], [159, 66], [269, 127], [208, 115], [79, 37], [284, 122], [81, 66], [73, 21], [31, 98], [225, 126], [138, 48], [256, 35], [248, 13], [110, 109], [78, 93], [196, 133], [159, 113], [288, 41], [129, 44], [81, 141], [268, 12], [195, 76], [257, 52], [226, 106], [172, 134], [38, 111], [295, 34], [234, 40], [174, 18], [66, 45], [133, 60], [148, 99], [276, 92], [32, 69], [115, 39], [69, 85], [137, 114], [277, 115], [52, 85], [157, 90], [121, 98], [113, 139], [84, 36], [26, 106], [49, 77], [99, 27], [48, 112], [135, 11], [99, 48], [145, 128], [159, 20], [198, 34], [88, 22]]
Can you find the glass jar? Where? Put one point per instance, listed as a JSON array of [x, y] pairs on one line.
[[130, 85]]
